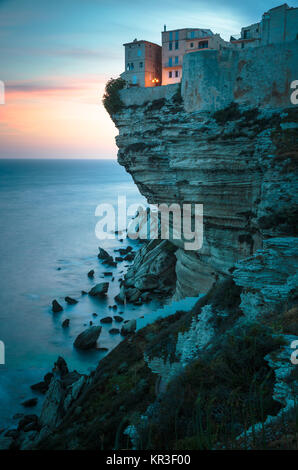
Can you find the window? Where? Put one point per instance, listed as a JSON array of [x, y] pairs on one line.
[[176, 44], [191, 44], [141, 65], [128, 67], [171, 35], [176, 73], [132, 66], [242, 45], [170, 74], [192, 34], [170, 61], [170, 46], [246, 34], [176, 60], [139, 52], [134, 80], [203, 45], [176, 35]]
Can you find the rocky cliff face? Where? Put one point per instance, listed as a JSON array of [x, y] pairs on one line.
[[238, 162]]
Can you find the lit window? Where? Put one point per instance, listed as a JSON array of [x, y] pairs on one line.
[[139, 52], [192, 34], [176, 44], [170, 61], [171, 35], [170, 74]]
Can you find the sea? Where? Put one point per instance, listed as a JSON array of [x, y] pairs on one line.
[[48, 244]]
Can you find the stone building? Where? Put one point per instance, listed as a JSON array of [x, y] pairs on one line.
[[177, 43], [278, 25], [142, 64]]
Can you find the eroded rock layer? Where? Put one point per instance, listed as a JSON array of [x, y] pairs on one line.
[[238, 162]]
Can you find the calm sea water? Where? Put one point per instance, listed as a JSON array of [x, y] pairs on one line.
[[48, 245]]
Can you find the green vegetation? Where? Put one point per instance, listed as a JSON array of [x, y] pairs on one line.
[[219, 395], [111, 98]]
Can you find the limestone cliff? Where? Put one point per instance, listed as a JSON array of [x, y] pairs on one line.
[[239, 162]]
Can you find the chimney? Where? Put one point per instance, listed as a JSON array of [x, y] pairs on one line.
[[164, 27]]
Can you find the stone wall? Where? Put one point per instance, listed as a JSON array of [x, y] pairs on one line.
[[259, 76]]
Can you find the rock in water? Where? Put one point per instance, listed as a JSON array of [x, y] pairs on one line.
[[65, 323], [56, 307], [70, 301], [61, 366], [129, 328], [103, 254], [106, 320], [91, 273], [114, 331], [118, 319], [29, 403], [99, 290], [87, 339]]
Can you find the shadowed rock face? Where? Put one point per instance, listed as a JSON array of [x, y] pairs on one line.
[[239, 163]]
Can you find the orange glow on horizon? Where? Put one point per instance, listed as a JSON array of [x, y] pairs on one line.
[[55, 120]]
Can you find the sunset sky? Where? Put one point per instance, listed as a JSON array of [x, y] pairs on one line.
[[56, 56]]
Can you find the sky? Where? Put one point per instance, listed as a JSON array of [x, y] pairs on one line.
[[57, 55]]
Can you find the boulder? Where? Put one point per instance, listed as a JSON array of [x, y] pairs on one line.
[[56, 307], [40, 387], [61, 367], [114, 331], [118, 319], [103, 254], [91, 273], [65, 323], [30, 402], [71, 301], [129, 328], [99, 290], [106, 320], [87, 339]]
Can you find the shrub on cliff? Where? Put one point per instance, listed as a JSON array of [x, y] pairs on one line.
[[111, 98]]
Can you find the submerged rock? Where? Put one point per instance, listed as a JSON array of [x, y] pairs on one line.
[[100, 290], [71, 301], [56, 307], [87, 339]]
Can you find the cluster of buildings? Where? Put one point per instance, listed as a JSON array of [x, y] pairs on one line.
[[148, 64]]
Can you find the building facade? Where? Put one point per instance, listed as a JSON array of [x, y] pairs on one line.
[[142, 64], [177, 43], [278, 25]]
